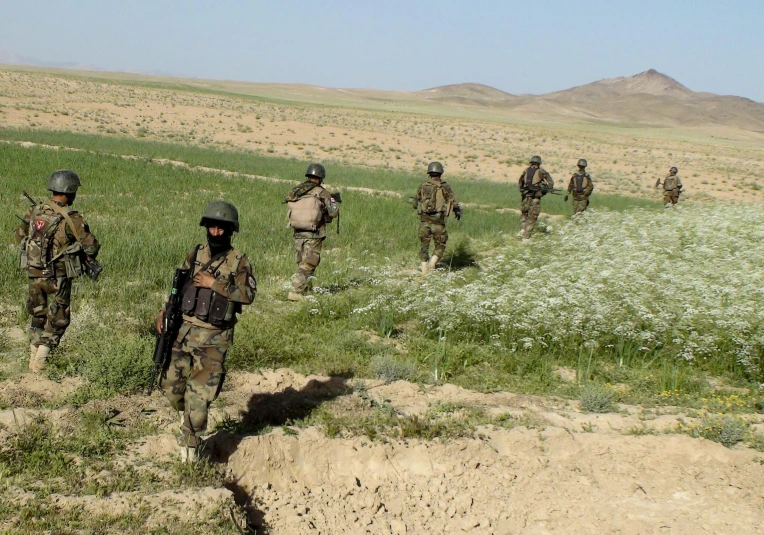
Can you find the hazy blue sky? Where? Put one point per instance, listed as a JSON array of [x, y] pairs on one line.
[[533, 46]]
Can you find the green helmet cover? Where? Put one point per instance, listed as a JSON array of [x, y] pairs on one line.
[[435, 168], [222, 211], [63, 181], [317, 170]]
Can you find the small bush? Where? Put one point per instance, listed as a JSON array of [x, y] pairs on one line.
[[389, 369], [596, 398], [726, 430]]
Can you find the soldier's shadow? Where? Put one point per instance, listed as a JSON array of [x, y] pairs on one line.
[[269, 409]]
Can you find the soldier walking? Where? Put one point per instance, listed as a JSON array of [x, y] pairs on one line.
[[581, 187], [311, 207], [220, 282], [533, 184], [672, 188], [53, 239], [434, 202]]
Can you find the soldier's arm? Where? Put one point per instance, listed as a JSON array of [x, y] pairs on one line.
[[89, 242], [244, 286], [570, 184], [548, 179], [589, 185], [332, 209], [22, 230], [678, 183]]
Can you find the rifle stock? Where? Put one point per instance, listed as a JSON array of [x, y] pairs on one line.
[[173, 319]]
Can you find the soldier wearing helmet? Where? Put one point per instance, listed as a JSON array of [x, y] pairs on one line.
[[220, 282], [580, 187], [533, 184], [310, 208], [54, 241], [434, 202], [672, 188]]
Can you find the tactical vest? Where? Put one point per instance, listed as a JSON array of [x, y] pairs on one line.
[[669, 183], [578, 183], [203, 303], [307, 212], [47, 251], [432, 199], [529, 174]]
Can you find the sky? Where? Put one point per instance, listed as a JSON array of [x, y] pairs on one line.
[[530, 46]]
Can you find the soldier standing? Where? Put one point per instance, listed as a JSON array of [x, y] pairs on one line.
[[311, 207], [672, 187], [53, 240], [220, 282], [533, 184], [581, 187], [434, 202]]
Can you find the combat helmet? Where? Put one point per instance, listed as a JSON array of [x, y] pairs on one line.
[[435, 168], [316, 170], [582, 163], [64, 181], [222, 211], [536, 159], [673, 170]]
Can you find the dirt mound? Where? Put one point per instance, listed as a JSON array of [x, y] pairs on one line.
[[516, 481]]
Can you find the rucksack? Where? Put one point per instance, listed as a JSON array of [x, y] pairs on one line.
[[43, 225], [432, 200], [306, 213]]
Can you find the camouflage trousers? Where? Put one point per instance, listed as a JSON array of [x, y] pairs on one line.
[[307, 256], [432, 231], [579, 205], [670, 197], [48, 302], [530, 209], [195, 375]]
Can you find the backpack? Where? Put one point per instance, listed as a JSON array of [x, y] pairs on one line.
[[432, 199], [38, 246], [306, 213]]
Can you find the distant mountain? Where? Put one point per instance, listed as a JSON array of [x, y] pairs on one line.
[[476, 94], [9, 58], [645, 83]]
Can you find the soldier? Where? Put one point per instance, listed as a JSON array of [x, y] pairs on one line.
[[220, 282], [434, 202], [672, 187], [533, 184], [53, 240], [311, 207], [581, 188]]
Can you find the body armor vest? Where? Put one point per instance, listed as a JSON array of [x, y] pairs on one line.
[[203, 303]]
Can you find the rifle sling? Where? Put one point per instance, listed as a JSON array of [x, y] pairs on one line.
[[63, 213]]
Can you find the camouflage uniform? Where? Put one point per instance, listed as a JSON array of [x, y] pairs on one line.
[[531, 184], [672, 187], [580, 187], [50, 288], [196, 370], [308, 243], [432, 224]]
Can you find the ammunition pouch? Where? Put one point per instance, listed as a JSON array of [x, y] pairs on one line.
[[22, 261], [208, 306], [73, 261]]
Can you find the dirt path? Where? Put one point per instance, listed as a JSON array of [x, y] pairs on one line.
[[554, 470]]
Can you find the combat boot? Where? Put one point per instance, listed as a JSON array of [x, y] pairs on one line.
[[433, 261], [425, 268], [188, 454], [39, 362], [294, 296]]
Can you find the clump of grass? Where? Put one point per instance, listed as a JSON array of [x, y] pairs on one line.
[[726, 430], [389, 369], [596, 398]]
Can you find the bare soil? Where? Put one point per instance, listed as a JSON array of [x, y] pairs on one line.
[[557, 470]]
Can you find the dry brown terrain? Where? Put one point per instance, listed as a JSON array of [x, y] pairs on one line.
[[399, 130], [556, 469]]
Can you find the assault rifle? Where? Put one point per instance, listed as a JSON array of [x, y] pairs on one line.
[[171, 322], [90, 266]]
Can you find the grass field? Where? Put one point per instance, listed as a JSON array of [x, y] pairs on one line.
[[372, 313]]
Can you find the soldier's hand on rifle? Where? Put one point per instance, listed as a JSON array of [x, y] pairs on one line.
[[159, 321], [565, 199], [204, 280]]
